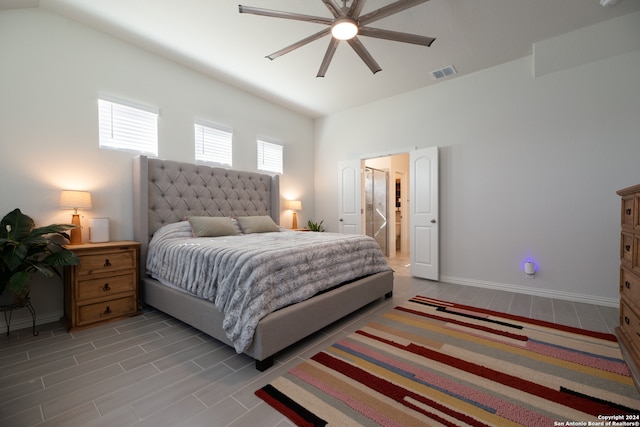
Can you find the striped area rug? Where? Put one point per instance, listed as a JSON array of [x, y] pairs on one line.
[[430, 362]]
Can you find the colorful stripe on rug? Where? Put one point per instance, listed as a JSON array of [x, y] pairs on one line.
[[430, 362]]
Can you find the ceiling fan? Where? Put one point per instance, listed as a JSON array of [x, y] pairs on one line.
[[346, 25]]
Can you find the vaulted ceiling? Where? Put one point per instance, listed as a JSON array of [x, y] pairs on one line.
[[212, 37]]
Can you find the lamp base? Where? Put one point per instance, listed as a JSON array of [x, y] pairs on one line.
[[294, 223], [76, 233]]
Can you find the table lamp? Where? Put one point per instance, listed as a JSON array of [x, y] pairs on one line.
[[70, 199], [294, 205]]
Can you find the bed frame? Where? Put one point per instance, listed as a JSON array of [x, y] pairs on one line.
[[169, 191]]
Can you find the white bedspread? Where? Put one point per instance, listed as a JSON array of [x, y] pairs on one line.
[[250, 276]]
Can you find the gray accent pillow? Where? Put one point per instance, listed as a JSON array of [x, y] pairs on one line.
[[212, 226], [257, 224]]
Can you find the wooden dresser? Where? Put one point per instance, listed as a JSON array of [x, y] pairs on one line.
[[628, 332], [104, 284]]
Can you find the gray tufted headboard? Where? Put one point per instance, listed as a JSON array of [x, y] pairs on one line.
[[166, 191]]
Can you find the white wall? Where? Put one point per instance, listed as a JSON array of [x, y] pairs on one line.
[[528, 168], [51, 74]]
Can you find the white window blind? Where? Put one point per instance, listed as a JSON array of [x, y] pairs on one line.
[[127, 127], [213, 143], [269, 156]]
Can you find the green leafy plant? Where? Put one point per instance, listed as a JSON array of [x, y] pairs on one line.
[[315, 226], [25, 250]]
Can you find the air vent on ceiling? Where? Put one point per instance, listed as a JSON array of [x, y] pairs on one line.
[[443, 72]]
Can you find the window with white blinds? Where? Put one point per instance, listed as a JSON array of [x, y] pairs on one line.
[[213, 143], [269, 156], [126, 126]]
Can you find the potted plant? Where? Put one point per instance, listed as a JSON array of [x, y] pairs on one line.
[[315, 226], [25, 250]]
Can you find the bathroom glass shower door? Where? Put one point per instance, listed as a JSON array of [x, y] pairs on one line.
[[376, 214]]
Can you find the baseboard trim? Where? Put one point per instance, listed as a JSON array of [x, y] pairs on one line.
[[27, 322], [569, 296]]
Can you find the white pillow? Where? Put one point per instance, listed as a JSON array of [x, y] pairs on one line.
[[175, 230]]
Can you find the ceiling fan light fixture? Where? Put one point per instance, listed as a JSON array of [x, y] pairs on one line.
[[345, 25], [344, 29]]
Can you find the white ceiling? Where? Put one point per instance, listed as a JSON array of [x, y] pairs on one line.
[[213, 37]]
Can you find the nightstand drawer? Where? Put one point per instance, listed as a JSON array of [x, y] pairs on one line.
[[630, 325], [626, 248], [635, 254], [96, 312], [627, 214], [636, 212], [106, 261], [630, 286], [106, 286]]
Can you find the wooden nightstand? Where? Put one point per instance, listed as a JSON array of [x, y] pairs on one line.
[[104, 284]]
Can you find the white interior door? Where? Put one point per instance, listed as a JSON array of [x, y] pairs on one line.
[[423, 216], [350, 197]]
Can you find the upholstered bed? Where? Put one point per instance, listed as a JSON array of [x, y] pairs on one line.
[[168, 192]]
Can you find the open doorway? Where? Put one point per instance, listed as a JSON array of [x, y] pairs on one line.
[[396, 169], [418, 210]]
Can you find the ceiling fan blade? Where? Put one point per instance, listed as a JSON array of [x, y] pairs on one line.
[[395, 36], [356, 8], [336, 11], [364, 54], [388, 10], [284, 15], [302, 42], [333, 45]]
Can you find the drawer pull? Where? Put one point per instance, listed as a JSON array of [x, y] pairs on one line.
[[106, 287], [626, 319], [627, 285], [108, 310], [107, 263], [626, 248]]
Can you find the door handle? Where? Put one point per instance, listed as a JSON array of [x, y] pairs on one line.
[[433, 221], [341, 220]]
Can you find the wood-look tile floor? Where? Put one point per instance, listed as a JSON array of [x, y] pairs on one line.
[[152, 370]]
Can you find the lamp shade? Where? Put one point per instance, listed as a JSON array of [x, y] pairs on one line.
[[294, 205], [71, 199]]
